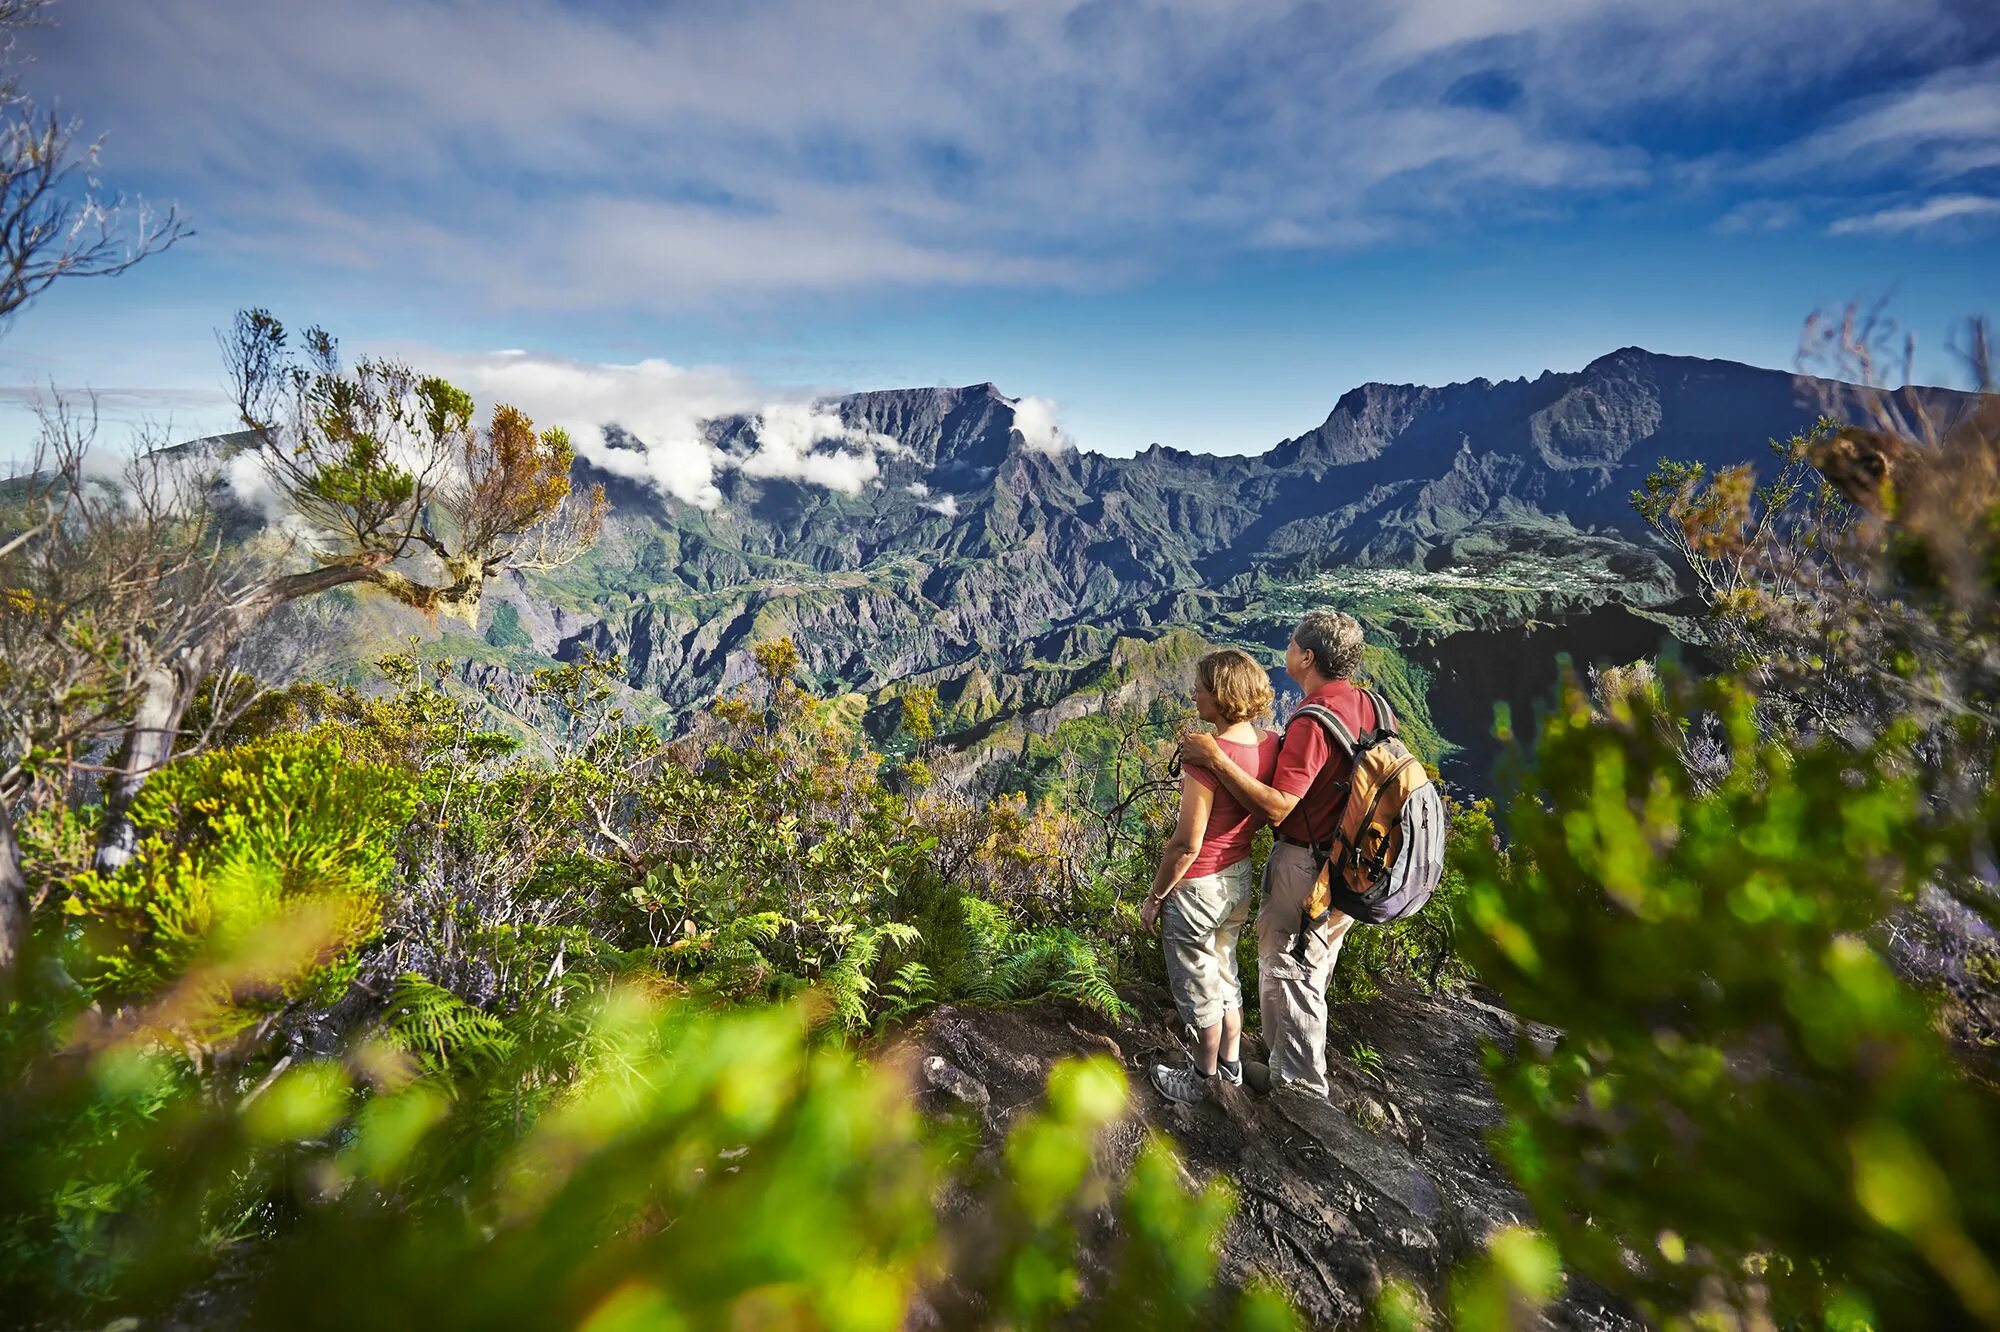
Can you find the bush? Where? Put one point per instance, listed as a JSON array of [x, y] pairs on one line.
[[228, 840], [692, 1169], [517, 1030], [1748, 1110]]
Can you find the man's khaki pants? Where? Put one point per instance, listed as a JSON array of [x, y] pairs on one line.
[[1292, 994]]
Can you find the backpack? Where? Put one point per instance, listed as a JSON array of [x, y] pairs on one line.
[[1387, 854]]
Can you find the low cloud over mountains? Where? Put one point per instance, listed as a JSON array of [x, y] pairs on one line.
[[678, 429]]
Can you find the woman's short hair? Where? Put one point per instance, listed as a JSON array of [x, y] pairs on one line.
[[1334, 640], [1240, 687]]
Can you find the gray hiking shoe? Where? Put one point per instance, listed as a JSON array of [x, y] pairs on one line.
[[1180, 1084], [1231, 1071]]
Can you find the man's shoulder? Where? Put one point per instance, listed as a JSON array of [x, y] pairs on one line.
[[1345, 700]]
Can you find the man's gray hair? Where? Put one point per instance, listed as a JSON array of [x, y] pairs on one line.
[[1334, 640]]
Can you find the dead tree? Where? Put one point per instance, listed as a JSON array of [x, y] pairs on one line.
[[389, 483], [54, 223], [98, 576], [65, 661]]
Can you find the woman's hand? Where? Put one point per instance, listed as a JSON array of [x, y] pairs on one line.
[[1149, 912]]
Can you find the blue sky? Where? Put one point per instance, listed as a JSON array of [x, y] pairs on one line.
[[1196, 223]]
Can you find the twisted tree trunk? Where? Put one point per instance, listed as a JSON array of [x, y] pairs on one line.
[[165, 692], [167, 687], [13, 909]]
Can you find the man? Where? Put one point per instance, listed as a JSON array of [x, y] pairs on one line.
[[1303, 802]]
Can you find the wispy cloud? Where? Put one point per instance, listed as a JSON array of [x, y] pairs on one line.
[[1941, 127], [546, 154], [650, 421], [1757, 217], [133, 402], [1931, 214]]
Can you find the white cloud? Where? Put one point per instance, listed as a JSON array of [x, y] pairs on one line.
[[946, 505], [665, 409], [661, 405], [1035, 418], [1758, 216], [790, 440], [917, 488], [1931, 213], [248, 476]]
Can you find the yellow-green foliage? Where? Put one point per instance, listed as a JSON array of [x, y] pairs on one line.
[[1407, 687], [919, 711], [230, 838], [696, 1170], [1747, 1107]]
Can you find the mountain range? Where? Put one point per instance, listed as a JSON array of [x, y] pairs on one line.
[[1479, 530]]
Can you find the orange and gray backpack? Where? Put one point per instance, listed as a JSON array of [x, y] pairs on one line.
[[1387, 854]]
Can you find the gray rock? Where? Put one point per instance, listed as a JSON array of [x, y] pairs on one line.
[[1385, 1166], [954, 1082]]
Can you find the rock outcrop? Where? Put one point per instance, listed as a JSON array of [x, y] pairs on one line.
[[1390, 1177]]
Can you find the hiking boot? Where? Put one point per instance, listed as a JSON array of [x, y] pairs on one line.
[[1231, 1071], [1181, 1084]]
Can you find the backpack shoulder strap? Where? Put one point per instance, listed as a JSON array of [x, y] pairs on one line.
[[1385, 716], [1336, 729]]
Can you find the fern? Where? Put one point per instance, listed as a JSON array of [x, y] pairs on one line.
[[730, 960], [441, 1029], [975, 952], [989, 937], [909, 991], [1063, 963], [758, 927], [850, 981]]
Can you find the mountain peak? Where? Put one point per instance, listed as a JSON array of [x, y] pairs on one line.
[[967, 427], [1623, 356]]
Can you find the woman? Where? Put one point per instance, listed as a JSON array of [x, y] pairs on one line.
[[1201, 892]]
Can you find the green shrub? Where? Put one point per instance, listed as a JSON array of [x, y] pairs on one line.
[[513, 1133], [505, 629], [229, 840], [695, 1169], [1747, 1108]]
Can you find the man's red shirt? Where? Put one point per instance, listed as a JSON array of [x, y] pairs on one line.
[[1310, 768]]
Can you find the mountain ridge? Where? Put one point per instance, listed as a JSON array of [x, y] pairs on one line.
[[1004, 574]]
